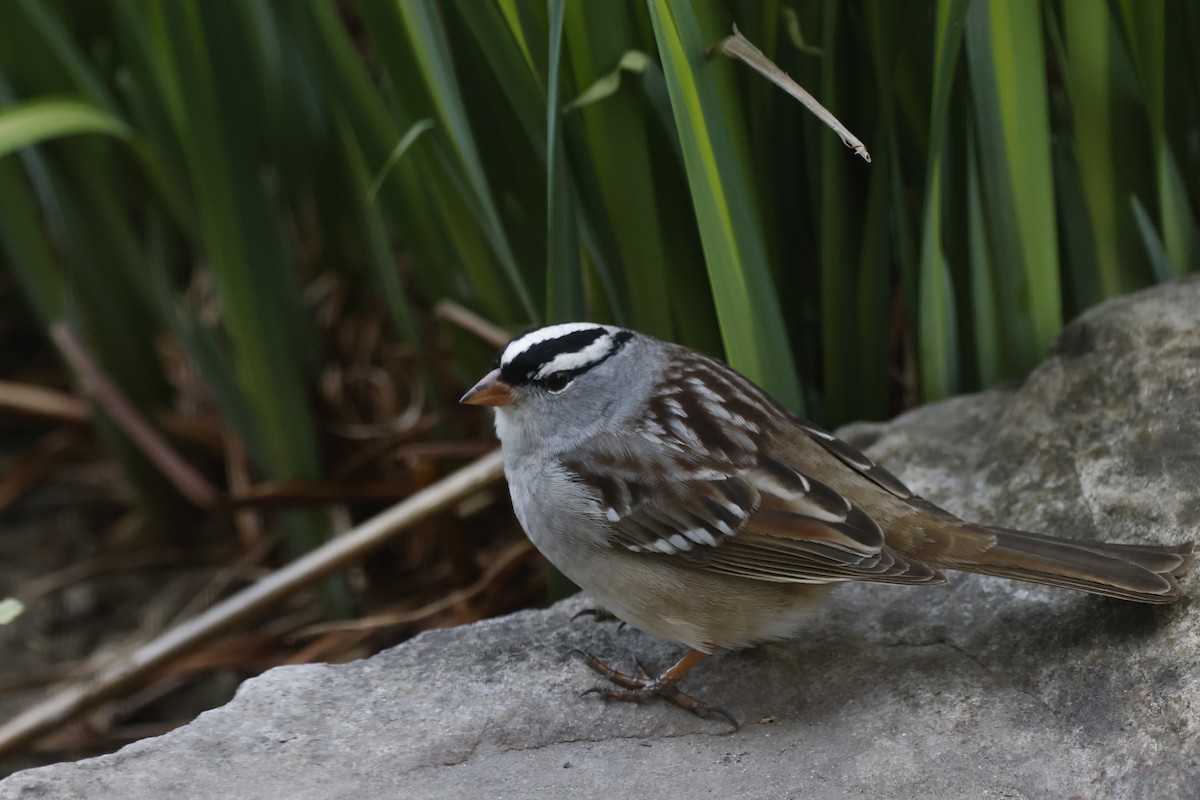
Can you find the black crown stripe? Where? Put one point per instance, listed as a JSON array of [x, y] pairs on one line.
[[526, 365]]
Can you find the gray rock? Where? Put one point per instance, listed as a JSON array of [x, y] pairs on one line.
[[983, 688]]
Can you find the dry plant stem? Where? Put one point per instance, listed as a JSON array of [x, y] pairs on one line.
[[51, 404], [518, 550], [369, 451], [436, 450], [739, 47], [250, 559], [402, 423], [38, 402], [190, 483], [248, 523], [114, 678], [35, 590], [302, 494], [46, 676], [33, 465], [471, 322]]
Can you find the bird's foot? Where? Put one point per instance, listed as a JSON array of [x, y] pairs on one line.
[[639, 689]]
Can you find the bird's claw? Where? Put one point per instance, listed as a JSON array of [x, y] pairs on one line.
[[638, 689]]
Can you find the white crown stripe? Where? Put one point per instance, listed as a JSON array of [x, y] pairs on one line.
[[569, 362], [518, 346]]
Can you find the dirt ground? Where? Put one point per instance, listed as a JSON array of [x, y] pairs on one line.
[[98, 580], [96, 585], [76, 613]]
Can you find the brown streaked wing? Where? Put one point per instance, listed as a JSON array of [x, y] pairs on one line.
[[857, 460], [805, 532], [766, 522], [661, 499], [741, 558], [690, 517]]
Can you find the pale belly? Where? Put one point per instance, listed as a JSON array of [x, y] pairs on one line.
[[679, 603]]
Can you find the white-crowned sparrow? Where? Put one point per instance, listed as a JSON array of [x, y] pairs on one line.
[[695, 507]]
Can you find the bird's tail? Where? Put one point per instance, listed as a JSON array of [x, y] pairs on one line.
[[1144, 573]]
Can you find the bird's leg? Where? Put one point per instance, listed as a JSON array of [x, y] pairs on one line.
[[638, 689]]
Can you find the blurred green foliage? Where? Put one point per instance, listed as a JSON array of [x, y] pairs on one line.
[[542, 161]]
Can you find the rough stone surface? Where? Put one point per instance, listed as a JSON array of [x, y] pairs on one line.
[[983, 688]]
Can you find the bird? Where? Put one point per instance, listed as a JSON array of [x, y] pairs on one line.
[[695, 507]]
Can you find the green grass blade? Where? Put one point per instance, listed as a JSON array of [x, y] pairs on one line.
[[1155, 251], [427, 197], [748, 310], [28, 123], [839, 332], [432, 52], [508, 58], [615, 129], [1180, 233], [512, 17], [937, 323], [1092, 73], [374, 228], [259, 295], [51, 34], [564, 274], [1081, 288], [606, 85], [402, 147], [1086, 31], [988, 332], [1146, 33], [1008, 87], [28, 252], [937, 345]]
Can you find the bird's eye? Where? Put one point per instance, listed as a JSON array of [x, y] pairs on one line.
[[555, 382]]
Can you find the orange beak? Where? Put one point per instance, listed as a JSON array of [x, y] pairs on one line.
[[490, 391]]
